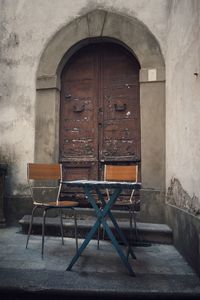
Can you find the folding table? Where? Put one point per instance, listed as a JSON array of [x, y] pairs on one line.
[[102, 214]]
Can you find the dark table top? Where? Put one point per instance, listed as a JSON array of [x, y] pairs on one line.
[[103, 184]]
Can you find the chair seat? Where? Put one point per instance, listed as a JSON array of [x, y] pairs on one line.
[[135, 205], [123, 203], [55, 204], [39, 177]]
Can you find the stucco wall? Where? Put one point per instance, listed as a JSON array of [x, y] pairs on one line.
[[183, 104], [27, 27]]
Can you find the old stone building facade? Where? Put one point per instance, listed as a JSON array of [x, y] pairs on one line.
[[39, 39]]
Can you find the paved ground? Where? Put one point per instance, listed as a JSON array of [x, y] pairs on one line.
[[160, 271]]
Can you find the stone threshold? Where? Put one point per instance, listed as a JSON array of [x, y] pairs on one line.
[[150, 232]]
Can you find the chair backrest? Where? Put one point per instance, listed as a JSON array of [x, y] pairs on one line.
[[38, 173], [44, 171], [121, 173]]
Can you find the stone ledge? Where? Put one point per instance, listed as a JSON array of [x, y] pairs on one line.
[[186, 237], [155, 233]]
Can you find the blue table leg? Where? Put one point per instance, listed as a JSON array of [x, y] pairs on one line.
[[101, 219], [101, 215], [122, 236], [117, 247], [91, 232], [85, 243]]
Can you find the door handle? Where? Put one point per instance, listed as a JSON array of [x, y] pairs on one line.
[[68, 96]]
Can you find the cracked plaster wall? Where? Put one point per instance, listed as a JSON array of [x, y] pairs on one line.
[[183, 105], [178, 197]]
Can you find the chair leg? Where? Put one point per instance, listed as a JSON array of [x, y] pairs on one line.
[[131, 224], [131, 232], [103, 236], [135, 225], [98, 237], [133, 219], [61, 226], [30, 225], [43, 231], [75, 229]]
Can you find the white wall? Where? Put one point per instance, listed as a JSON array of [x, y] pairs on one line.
[[183, 96], [26, 27]]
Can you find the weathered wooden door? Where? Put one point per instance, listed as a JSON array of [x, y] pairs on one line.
[[99, 110]]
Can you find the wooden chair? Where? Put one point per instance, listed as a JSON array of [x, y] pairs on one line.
[[127, 173], [45, 180]]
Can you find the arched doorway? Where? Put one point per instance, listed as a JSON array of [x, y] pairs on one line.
[[136, 36], [99, 110]]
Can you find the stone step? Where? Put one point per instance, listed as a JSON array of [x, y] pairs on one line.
[[148, 232]]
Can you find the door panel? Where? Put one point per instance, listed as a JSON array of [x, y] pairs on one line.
[[99, 110], [121, 115], [78, 127]]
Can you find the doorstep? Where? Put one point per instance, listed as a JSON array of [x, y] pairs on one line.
[[150, 232]]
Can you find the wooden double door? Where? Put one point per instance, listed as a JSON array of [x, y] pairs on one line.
[[99, 110]]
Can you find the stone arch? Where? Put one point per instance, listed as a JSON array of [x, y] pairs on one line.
[[130, 31], [137, 37]]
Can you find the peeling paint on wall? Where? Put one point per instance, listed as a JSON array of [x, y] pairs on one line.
[[177, 196]]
